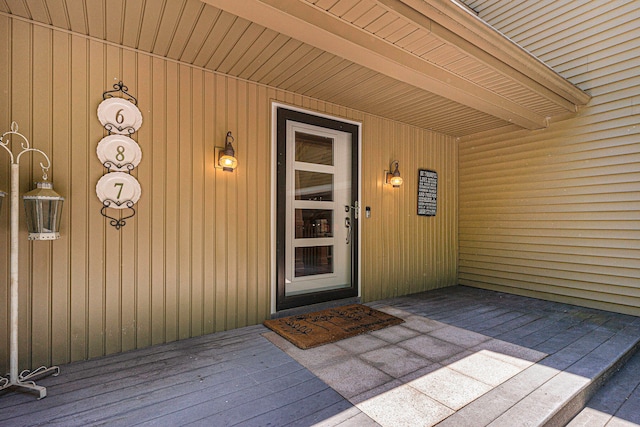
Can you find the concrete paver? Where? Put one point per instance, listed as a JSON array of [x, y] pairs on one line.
[[449, 387], [404, 406], [431, 348], [395, 361], [352, 376], [397, 334], [420, 379], [481, 338], [486, 368]]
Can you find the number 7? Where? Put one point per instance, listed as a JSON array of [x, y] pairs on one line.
[[121, 184]]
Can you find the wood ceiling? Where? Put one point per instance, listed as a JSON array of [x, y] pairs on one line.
[[431, 64]]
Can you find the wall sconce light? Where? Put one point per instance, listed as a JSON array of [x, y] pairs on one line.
[[226, 156], [2, 194], [394, 177]]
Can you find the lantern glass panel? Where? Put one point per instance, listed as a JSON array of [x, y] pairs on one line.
[[43, 216], [43, 208]]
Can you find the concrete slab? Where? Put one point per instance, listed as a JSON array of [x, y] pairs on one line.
[[352, 376], [441, 371], [315, 357], [361, 343], [516, 355], [359, 420], [542, 403], [450, 388], [395, 334], [483, 367], [404, 406], [493, 404], [421, 324], [431, 348], [395, 361]]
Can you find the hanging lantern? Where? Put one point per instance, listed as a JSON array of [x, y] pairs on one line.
[[43, 207], [2, 194]]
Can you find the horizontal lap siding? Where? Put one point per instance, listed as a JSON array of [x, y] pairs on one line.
[[556, 213], [195, 259]]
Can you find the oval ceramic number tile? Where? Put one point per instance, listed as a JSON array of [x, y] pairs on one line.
[[119, 153], [119, 116], [118, 188]]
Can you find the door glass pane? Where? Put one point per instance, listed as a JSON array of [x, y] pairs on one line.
[[314, 186], [314, 149], [313, 260], [311, 223]]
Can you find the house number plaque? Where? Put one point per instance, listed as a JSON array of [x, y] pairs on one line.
[[119, 154], [119, 116], [117, 188]]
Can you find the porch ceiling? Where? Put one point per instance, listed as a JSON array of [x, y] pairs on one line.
[[433, 64]]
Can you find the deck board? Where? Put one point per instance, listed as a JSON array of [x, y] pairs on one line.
[[220, 379], [240, 378]]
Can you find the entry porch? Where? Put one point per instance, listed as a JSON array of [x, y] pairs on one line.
[[464, 356]]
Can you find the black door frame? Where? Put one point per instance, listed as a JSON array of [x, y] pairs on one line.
[[284, 302]]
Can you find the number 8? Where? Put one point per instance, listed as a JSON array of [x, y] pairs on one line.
[[120, 153]]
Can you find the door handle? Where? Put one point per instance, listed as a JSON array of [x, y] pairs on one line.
[[347, 224]]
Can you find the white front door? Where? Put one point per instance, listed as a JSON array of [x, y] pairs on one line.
[[318, 218]]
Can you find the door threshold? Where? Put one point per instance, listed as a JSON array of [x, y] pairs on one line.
[[315, 307]]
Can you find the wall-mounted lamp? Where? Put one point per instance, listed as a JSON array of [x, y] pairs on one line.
[[226, 156], [2, 194], [394, 177]]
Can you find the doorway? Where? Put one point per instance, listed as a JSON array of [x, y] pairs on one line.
[[316, 209]]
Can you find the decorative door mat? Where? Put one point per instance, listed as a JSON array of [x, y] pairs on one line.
[[330, 325]]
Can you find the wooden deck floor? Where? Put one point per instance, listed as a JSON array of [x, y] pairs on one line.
[[240, 378], [227, 378]]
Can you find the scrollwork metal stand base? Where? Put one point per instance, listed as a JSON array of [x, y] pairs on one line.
[[26, 380]]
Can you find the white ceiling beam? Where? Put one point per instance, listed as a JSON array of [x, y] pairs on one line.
[[305, 22]]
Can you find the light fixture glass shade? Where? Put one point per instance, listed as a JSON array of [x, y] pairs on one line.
[[227, 157], [43, 208], [394, 178], [396, 181], [2, 194], [227, 161]]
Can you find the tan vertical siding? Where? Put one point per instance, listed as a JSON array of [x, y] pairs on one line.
[[556, 213], [196, 257], [414, 253]]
